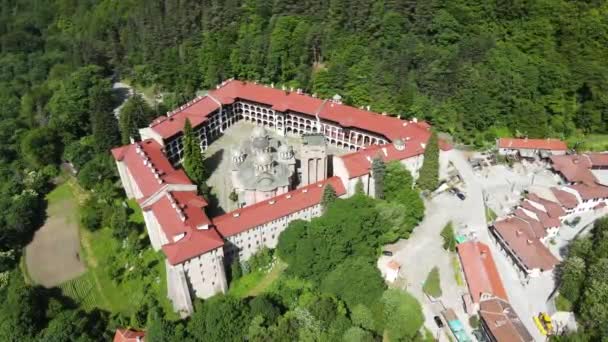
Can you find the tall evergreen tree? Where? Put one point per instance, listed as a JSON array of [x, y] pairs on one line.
[[193, 161], [329, 196], [429, 172], [378, 172], [135, 113], [105, 131]]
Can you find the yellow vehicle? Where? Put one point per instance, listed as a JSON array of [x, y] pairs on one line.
[[540, 326], [546, 320]]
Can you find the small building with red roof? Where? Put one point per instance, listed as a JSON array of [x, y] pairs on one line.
[[531, 148], [480, 272], [129, 335], [520, 239], [586, 181]]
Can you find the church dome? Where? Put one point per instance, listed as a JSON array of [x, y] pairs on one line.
[[284, 148], [263, 159], [260, 144]]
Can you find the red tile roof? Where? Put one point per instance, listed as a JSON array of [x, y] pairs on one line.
[[598, 159], [178, 212], [196, 111], [149, 167], [574, 168], [129, 335], [359, 163], [480, 270], [533, 226], [503, 322], [566, 199], [536, 144], [518, 234], [390, 127], [553, 209], [541, 215], [195, 243], [240, 220], [590, 192]]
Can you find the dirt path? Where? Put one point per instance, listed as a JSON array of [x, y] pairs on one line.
[[54, 255]]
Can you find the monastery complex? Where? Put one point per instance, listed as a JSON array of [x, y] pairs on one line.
[[271, 190]]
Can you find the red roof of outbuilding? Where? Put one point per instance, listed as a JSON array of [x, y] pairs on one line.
[[553, 209], [536, 144], [566, 199], [240, 220], [574, 168], [598, 159], [541, 215], [149, 167], [359, 163], [525, 244], [480, 270], [129, 335], [280, 100], [590, 192]]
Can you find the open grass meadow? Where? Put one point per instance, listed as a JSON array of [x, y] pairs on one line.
[[118, 279]]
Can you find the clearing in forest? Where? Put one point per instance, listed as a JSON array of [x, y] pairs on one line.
[[53, 256]]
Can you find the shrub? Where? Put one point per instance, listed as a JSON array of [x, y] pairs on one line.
[[432, 284]]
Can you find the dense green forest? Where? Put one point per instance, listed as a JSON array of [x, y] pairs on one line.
[[475, 69], [584, 282]]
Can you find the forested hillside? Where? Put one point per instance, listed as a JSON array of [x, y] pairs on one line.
[[476, 69]]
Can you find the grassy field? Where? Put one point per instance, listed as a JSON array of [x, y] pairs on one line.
[[53, 255], [83, 290], [589, 142], [432, 284], [254, 283], [143, 273]]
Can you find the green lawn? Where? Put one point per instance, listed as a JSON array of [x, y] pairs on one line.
[[432, 285], [456, 268], [589, 142], [144, 273], [61, 193], [104, 253], [490, 215], [257, 282]]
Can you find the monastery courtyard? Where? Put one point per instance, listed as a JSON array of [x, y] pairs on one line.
[[218, 162]]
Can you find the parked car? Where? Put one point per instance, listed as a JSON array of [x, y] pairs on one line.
[[387, 253], [438, 321], [461, 196]]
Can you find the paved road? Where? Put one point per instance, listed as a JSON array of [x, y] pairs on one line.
[[124, 91]]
